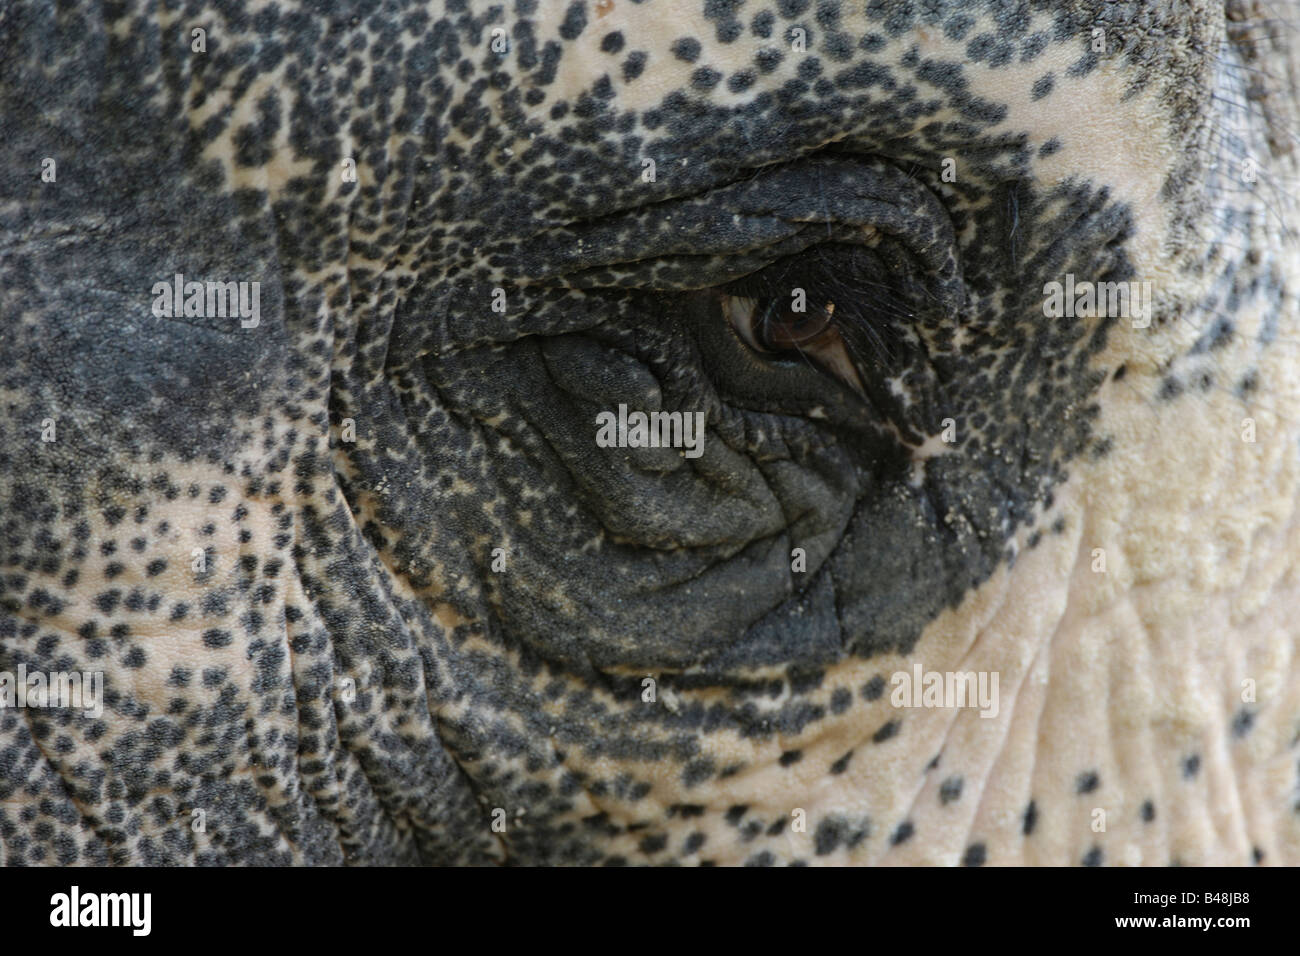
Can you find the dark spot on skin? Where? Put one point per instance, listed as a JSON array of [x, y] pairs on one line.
[[761, 859], [1033, 46], [728, 31], [976, 855], [215, 637], [957, 26], [950, 790], [634, 65], [1243, 722], [107, 601], [575, 21], [1030, 818], [828, 13], [705, 78], [990, 50], [1190, 766], [1170, 389], [1043, 87], [612, 42], [1120, 373], [885, 732], [1084, 65], [842, 764], [1220, 334], [1050, 148], [736, 814], [215, 604], [1093, 857], [686, 49], [1256, 855], [652, 844], [873, 688], [1148, 811], [1087, 782], [790, 757], [739, 82], [830, 834], [768, 59], [901, 833], [697, 771], [858, 835]]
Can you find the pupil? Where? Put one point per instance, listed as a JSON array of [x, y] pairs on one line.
[[780, 328]]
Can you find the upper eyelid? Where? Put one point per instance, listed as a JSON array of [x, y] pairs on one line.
[[775, 213]]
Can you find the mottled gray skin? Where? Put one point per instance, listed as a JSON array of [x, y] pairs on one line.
[[364, 588]]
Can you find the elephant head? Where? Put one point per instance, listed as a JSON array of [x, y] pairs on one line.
[[605, 431]]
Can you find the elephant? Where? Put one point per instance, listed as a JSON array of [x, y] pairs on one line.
[[648, 432]]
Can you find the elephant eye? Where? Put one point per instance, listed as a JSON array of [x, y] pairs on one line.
[[777, 328]]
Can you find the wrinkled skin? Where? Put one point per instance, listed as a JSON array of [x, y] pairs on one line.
[[349, 671]]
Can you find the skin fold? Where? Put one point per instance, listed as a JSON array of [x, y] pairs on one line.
[[363, 587]]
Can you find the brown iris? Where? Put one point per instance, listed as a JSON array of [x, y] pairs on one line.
[[773, 326], [778, 328]]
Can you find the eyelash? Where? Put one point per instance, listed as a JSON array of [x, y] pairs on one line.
[[868, 335]]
